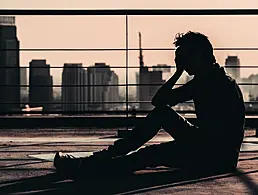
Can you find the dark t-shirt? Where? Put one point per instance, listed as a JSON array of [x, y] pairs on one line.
[[220, 112], [219, 104]]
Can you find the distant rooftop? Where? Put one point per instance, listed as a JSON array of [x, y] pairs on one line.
[[7, 20], [73, 64], [100, 64], [232, 56]]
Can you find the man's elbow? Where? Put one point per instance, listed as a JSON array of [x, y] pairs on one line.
[[158, 103], [153, 102]]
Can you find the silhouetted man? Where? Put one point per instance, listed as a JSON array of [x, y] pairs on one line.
[[210, 145]]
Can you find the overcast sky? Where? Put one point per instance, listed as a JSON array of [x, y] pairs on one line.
[[109, 32]]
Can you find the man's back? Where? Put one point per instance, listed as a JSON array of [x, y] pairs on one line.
[[220, 111], [219, 104]]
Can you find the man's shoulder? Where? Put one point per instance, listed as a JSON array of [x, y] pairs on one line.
[[231, 83], [230, 79]]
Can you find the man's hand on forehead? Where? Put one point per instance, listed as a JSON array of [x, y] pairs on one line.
[[178, 59]]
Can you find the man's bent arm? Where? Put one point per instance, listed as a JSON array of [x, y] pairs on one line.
[[180, 94], [168, 96], [165, 88]]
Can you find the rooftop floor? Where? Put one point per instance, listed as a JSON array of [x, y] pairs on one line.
[[22, 174]]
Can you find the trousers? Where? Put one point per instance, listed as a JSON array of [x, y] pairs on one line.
[[190, 149]]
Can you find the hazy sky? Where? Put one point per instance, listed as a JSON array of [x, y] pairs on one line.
[[109, 32]]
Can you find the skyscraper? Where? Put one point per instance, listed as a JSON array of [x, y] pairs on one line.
[[111, 93], [23, 80], [100, 77], [40, 85], [143, 89], [148, 82], [9, 66], [74, 88], [24, 89], [233, 71]]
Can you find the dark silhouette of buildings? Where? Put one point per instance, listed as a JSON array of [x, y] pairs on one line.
[[100, 78], [40, 85], [84, 90], [234, 71], [9, 66], [148, 82], [250, 92], [74, 92]]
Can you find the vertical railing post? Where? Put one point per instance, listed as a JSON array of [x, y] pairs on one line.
[[126, 64]]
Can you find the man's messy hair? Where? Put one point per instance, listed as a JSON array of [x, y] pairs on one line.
[[195, 41]]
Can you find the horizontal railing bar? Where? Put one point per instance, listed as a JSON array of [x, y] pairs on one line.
[[114, 102], [129, 49], [114, 66], [67, 103], [80, 112], [93, 67], [91, 112], [86, 102], [149, 12], [110, 85]]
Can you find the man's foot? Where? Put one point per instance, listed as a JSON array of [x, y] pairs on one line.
[[66, 164]]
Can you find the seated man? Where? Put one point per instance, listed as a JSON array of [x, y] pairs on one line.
[[211, 145]]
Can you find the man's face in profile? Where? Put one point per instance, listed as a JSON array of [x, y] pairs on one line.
[[185, 59]]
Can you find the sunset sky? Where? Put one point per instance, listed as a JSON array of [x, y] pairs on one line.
[[109, 32]]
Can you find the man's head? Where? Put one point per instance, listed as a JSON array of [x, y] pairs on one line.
[[194, 52]]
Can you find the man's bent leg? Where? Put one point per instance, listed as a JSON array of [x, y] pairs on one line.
[[160, 117], [174, 124], [164, 154], [164, 117]]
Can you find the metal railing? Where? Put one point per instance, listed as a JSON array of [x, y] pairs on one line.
[[126, 101]]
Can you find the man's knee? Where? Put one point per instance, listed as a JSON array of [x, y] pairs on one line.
[[165, 113], [165, 110], [156, 150]]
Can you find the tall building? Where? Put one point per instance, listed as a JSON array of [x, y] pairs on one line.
[[149, 82], [40, 85], [24, 88], [233, 71], [100, 78], [9, 65], [23, 81], [111, 93], [74, 88]]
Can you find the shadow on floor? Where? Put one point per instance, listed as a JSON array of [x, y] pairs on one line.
[[136, 183]]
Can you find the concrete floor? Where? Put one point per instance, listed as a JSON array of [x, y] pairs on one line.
[[22, 174]]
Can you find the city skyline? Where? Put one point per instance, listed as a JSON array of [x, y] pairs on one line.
[[158, 32], [109, 31], [157, 38], [99, 75]]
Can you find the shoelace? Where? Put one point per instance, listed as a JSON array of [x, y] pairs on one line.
[[69, 156]]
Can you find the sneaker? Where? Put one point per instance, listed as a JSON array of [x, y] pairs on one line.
[[66, 164]]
